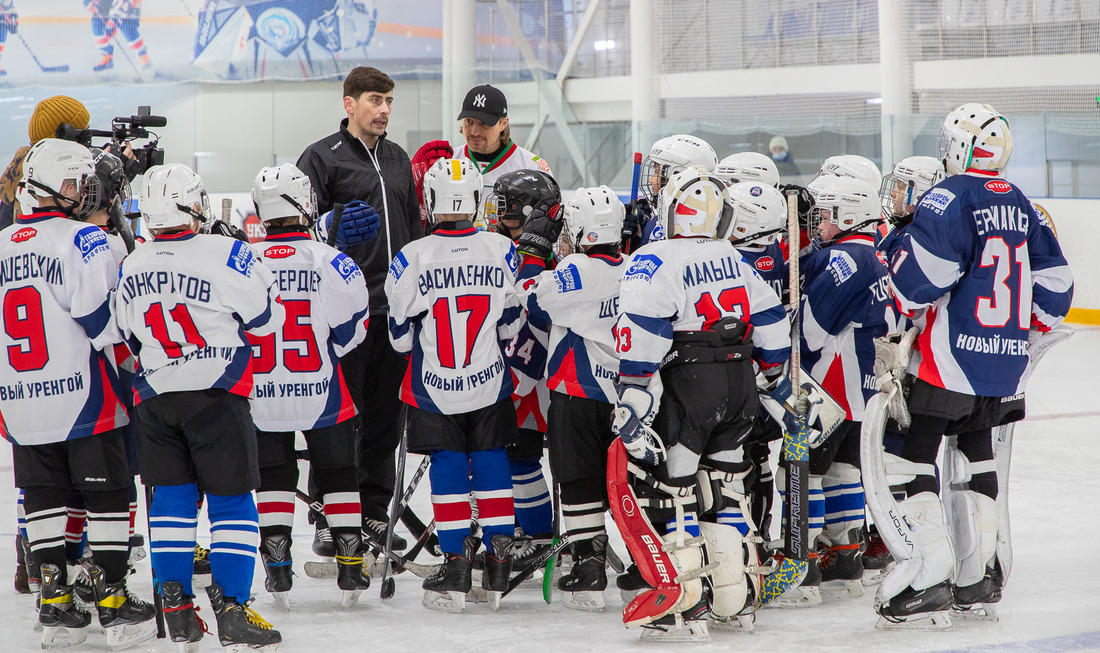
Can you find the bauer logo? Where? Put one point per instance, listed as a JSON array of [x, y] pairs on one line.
[[24, 234], [642, 268], [279, 251], [397, 267], [346, 267], [241, 258], [937, 200], [90, 241], [568, 278], [998, 186], [765, 263]]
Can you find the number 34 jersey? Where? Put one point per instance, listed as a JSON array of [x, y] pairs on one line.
[[299, 385], [452, 301], [184, 303]]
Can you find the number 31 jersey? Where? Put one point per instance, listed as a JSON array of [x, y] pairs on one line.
[[299, 385]]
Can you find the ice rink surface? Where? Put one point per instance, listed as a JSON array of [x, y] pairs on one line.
[[1051, 603]]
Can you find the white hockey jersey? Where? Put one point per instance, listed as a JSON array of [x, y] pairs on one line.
[[452, 300], [580, 298], [688, 284], [299, 385], [511, 159], [184, 303], [56, 384]]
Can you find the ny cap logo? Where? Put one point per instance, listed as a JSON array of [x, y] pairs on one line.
[[479, 100]]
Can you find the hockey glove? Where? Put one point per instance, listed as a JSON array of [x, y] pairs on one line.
[[631, 421], [424, 158], [219, 228], [638, 214], [805, 203], [359, 223], [540, 232]]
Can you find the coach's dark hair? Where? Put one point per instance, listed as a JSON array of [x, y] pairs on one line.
[[366, 79]]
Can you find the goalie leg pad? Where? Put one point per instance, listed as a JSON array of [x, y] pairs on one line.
[[974, 529], [726, 548]]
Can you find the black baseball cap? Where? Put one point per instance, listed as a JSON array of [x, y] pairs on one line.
[[485, 103]]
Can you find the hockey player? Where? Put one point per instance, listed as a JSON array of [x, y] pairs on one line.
[[451, 301], [978, 270], [299, 383], [667, 157], [902, 190], [184, 303], [850, 165], [109, 17], [580, 299], [748, 166], [64, 418], [693, 317]]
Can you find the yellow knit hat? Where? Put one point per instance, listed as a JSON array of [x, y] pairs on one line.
[[53, 111]]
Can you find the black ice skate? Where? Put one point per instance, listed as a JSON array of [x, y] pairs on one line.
[[239, 627], [630, 583], [375, 531], [498, 567], [977, 600], [582, 588], [912, 609], [351, 577], [184, 625], [126, 619], [64, 623], [843, 562], [527, 549], [275, 551], [22, 583], [203, 575], [687, 626], [322, 542], [445, 590]]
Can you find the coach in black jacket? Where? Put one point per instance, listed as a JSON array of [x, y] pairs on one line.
[[360, 163]]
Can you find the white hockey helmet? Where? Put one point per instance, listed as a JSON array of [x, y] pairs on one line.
[[61, 170], [673, 154], [748, 166], [452, 186], [759, 213], [172, 196], [975, 136], [594, 216], [854, 166], [692, 204], [902, 189], [847, 204], [284, 192]]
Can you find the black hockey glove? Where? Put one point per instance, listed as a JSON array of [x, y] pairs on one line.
[[220, 228], [638, 214], [805, 203], [540, 233]]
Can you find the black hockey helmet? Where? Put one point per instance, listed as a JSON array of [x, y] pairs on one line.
[[517, 194], [112, 179]]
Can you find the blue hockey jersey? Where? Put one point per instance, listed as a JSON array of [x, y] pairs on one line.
[[770, 263]]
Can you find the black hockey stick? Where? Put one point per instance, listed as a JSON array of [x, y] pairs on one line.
[[63, 68], [334, 224], [536, 564], [399, 562], [388, 586], [157, 602]]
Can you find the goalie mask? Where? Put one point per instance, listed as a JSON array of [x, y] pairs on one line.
[[975, 137], [854, 166], [902, 189], [843, 206], [748, 166], [671, 155], [692, 204], [593, 216], [111, 179], [172, 196], [60, 170], [452, 187], [284, 192], [758, 213], [516, 194]]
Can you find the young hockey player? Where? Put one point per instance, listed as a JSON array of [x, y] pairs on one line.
[[693, 317], [748, 166], [667, 157], [109, 17], [978, 271], [60, 408], [299, 383], [451, 302], [580, 299], [185, 302]]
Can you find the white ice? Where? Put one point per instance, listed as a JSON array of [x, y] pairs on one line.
[[1050, 604]]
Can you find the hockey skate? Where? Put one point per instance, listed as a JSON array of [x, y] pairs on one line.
[[876, 559], [688, 626], [979, 601], [527, 550], [912, 609], [275, 551], [203, 575], [807, 593], [34, 576], [445, 591], [582, 588], [498, 568], [322, 542], [137, 549], [374, 530], [841, 566], [351, 576], [64, 623], [630, 583], [239, 627], [181, 618], [126, 619]]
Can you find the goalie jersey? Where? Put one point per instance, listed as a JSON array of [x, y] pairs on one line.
[[184, 303], [581, 301], [452, 300], [299, 385], [976, 270], [846, 304], [688, 284], [56, 384]]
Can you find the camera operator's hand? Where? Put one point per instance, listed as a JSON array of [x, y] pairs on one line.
[[220, 228], [9, 21], [540, 232]]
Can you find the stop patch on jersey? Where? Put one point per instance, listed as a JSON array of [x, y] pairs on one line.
[[241, 258]]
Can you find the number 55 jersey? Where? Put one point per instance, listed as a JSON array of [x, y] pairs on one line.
[[976, 270]]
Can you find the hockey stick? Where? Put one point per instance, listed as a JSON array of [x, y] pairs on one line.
[[63, 68], [227, 210], [334, 224], [157, 602], [535, 565], [635, 182], [388, 586], [548, 573], [417, 528]]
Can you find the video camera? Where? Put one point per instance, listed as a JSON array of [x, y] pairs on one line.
[[123, 130]]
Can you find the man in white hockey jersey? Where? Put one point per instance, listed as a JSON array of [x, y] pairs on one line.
[[184, 303], [60, 409], [299, 383], [452, 302], [693, 318]]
